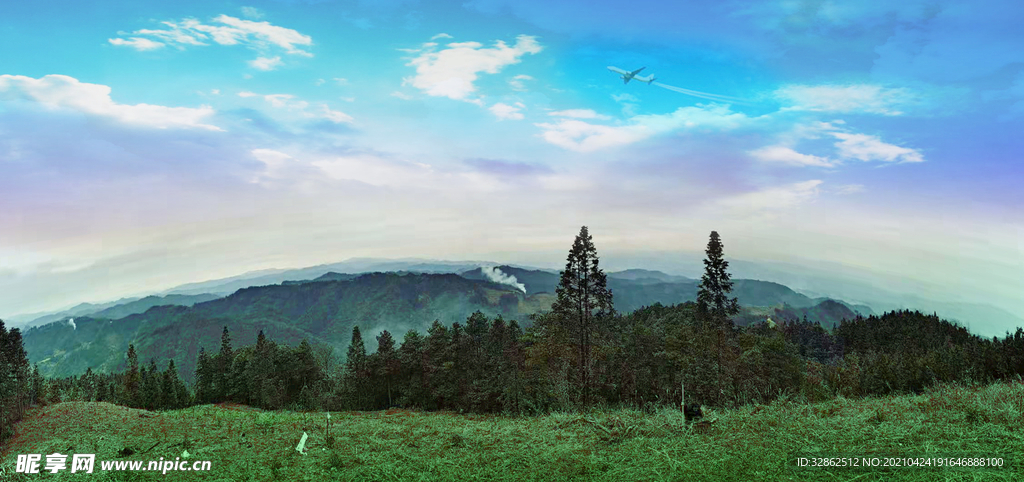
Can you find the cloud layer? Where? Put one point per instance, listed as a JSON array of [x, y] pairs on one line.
[[451, 71], [67, 93], [262, 37]]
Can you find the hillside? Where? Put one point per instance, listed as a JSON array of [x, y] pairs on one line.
[[828, 313], [144, 304], [330, 276], [231, 284], [648, 276], [120, 308], [325, 309], [323, 312], [536, 281]]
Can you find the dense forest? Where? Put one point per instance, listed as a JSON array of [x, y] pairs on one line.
[[581, 353]]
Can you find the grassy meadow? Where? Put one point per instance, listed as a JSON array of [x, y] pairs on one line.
[[755, 442]]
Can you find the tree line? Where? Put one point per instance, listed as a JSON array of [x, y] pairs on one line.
[[580, 354], [19, 385]]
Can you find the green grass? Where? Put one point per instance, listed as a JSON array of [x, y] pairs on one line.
[[748, 443]]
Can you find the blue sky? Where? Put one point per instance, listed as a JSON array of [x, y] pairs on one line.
[[147, 145]]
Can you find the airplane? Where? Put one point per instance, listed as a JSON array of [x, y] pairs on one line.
[[627, 76]]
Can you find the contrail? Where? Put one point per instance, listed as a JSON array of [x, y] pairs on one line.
[[704, 95]]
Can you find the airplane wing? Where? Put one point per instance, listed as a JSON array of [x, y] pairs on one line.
[[618, 70], [637, 71]]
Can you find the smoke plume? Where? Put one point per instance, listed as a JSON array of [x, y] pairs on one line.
[[495, 275]]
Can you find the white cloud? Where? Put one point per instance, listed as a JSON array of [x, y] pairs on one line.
[[451, 71], [252, 13], [582, 136], [341, 80], [628, 102], [225, 30], [505, 111], [266, 63], [869, 148], [375, 170], [275, 162], [440, 35], [576, 135], [335, 116], [850, 145], [865, 98], [63, 92], [293, 103], [848, 189], [517, 82], [786, 155], [285, 38], [179, 34], [774, 197], [137, 43], [285, 101], [401, 95], [579, 114]]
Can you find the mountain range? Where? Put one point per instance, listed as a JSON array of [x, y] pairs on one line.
[[324, 310], [323, 303]]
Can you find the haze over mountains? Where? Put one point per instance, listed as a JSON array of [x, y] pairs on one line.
[[812, 285], [322, 304]]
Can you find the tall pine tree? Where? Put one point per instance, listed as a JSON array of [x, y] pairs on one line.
[[204, 378], [357, 375], [387, 362], [584, 300], [713, 303], [223, 364], [132, 386]]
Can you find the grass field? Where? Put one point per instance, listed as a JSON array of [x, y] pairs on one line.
[[749, 443]]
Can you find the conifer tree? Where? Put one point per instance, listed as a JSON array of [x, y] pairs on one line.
[[102, 392], [583, 301], [415, 390], [38, 386], [151, 386], [132, 386], [356, 372], [88, 385], [175, 393], [19, 372], [387, 359], [307, 376], [223, 365], [713, 299], [260, 374], [204, 378], [713, 303], [440, 354]]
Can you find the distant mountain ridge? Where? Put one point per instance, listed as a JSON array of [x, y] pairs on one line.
[[323, 312], [120, 308], [324, 309], [226, 286]]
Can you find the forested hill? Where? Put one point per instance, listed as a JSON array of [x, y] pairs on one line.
[[120, 308], [636, 288], [324, 310]]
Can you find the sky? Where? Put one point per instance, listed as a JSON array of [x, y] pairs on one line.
[[145, 145]]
